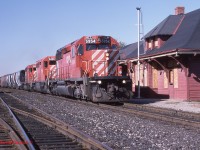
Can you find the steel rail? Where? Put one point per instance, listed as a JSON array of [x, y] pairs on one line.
[[153, 115], [158, 114], [189, 115], [148, 114], [25, 136], [13, 135], [87, 141], [154, 112], [71, 132]]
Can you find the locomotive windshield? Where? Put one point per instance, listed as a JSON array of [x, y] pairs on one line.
[[97, 46], [98, 43], [52, 62]]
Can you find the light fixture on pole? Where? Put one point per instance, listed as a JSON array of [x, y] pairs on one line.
[[138, 57]]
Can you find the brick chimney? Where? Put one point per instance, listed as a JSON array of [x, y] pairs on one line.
[[179, 10]]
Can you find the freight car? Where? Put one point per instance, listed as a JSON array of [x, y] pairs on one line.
[[84, 69], [5, 81], [14, 80]]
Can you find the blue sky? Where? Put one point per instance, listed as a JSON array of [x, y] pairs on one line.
[[32, 29]]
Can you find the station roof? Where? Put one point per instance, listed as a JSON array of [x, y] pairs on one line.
[[131, 50], [184, 31], [186, 38], [166, 27]]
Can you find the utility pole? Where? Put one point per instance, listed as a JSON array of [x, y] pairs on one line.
[[138, 57]]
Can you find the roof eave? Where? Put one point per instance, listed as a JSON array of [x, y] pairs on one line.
[[172, 52], [157, 55]]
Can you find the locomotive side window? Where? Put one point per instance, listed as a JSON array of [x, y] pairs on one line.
[[52, 62], [30, 69], [34, 69], [80, 49], [73, 52], [45, 64]]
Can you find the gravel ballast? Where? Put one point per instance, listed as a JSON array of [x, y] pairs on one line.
[[117, 130]]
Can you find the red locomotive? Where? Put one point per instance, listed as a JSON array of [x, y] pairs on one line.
[[86, 68], [30, 76], [44, 67]]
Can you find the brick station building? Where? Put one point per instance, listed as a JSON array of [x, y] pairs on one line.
[[169, 58]]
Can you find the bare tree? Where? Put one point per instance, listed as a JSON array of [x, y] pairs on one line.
[[122, 44]]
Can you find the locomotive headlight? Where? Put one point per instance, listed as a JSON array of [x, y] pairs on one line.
[[99, 81], [107, 54], [107, 58], [124, 81]]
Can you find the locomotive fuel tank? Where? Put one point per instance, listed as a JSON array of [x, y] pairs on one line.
[[62, 89]]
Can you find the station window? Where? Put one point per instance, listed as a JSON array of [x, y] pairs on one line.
[[149, 45], [171, 77], [156, 43], [155, 77]]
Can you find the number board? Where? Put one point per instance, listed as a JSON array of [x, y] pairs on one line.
[[90, 41]]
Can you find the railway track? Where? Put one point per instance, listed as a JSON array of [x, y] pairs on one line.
[[10, 131], [47, 132], [165, 111], [187, 119], [7, 140]]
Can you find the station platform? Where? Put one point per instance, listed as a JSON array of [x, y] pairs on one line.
[[188, 106]]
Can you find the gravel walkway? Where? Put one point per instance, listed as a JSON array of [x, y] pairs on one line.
[[193, 106], [117, 130]]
